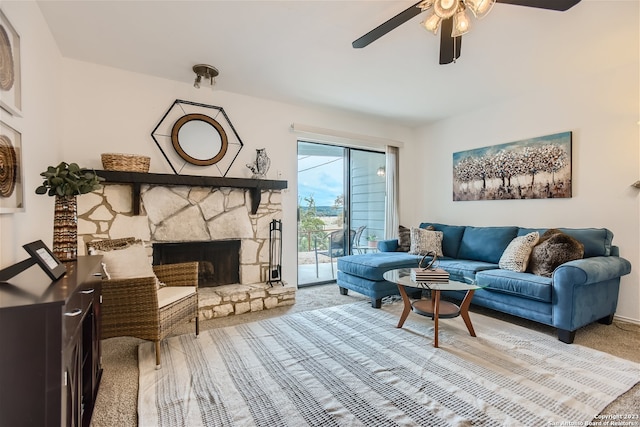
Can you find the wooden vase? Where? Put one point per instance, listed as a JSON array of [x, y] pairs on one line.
[[65, 228]]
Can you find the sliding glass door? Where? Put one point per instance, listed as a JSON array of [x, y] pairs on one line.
[[341, 197]]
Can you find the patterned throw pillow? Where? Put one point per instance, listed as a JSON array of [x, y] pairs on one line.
[[423, 241], [516, 256], [404, 239]]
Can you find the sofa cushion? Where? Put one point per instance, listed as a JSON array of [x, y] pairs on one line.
[[451, 236], [460, 269], [373, 265], [485, 243], [425, 241], [516, 256], [521, 284], [596, 241], [554, 248]]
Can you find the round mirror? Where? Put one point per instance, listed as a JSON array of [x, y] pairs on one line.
[[199, 139]]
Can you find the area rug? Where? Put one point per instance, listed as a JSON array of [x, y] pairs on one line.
[[350, 366]]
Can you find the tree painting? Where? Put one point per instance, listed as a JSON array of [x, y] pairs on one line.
[[536, 168]]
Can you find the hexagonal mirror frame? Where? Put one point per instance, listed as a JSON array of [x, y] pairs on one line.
[[167, 137]]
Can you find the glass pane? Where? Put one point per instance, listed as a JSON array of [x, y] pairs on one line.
[[337, 186], [367, 199], [321, 213]]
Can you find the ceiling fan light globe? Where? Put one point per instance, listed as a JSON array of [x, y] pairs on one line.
[[461, 24], [480, 8], [432, 22], [445, 9], [425, 4]]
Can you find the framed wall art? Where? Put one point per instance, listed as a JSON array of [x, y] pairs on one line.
[[535, 168], [191, 135], [10, 80], [11, 178]]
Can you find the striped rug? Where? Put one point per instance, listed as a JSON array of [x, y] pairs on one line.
[[349, 366]]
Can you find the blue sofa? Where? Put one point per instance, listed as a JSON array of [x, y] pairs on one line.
[[578, 293]]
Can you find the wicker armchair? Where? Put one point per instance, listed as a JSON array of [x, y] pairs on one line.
[[136, 308]]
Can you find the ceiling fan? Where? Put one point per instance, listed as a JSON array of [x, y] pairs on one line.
[[450, 17]]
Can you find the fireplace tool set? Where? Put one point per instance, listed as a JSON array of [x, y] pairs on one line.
[[275, 252]]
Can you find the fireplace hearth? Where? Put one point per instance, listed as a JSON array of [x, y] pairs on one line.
[[219, 260]]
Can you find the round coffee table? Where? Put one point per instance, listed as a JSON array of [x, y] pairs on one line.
[[434, 308]]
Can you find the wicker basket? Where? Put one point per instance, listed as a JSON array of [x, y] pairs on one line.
[[125, 162]]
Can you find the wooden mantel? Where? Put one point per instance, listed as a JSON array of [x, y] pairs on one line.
[[136, 179]]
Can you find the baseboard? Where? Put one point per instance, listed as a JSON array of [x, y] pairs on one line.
[[626, 319]]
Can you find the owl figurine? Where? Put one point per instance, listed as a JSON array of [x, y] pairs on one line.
[[261, 165]]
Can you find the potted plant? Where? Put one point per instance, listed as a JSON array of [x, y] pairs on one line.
[[65, 182], [373, 240]]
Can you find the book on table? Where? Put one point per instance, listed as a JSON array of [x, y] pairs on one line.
[[436, 275]]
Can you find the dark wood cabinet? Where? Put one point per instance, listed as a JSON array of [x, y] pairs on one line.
[[50, 346]]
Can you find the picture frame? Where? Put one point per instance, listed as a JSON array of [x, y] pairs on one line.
[[534, 168], [11, 170], [10, 69], [46, 259]]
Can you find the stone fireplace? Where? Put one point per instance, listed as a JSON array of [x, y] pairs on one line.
[[173, 216]]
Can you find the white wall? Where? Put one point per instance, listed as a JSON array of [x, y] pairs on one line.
[[74, 111], [601, 110], [110, 110], [40, 60]]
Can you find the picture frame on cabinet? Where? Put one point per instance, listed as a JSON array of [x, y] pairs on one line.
[[11, 170], [46, 259], [10, 68]]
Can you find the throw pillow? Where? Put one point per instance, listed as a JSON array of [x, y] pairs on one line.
[[424, 241], [127, 263], [404, 239], [516, 256], [553, 249]]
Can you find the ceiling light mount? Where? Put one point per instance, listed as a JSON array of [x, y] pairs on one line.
[[206, 71]]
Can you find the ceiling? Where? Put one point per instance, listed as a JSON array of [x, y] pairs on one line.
[[300, 52]]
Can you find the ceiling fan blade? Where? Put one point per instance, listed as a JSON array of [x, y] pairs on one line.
[[559, 5], [387, 26], [449, 46]]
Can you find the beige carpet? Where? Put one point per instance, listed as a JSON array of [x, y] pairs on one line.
[[117, 399], [350, 366]]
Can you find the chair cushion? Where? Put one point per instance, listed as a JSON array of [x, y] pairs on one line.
[[128, 262], [170, 294]]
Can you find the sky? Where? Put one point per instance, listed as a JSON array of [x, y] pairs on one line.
[[321, 177]]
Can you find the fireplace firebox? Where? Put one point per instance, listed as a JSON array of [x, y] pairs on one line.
[[219, 259]]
